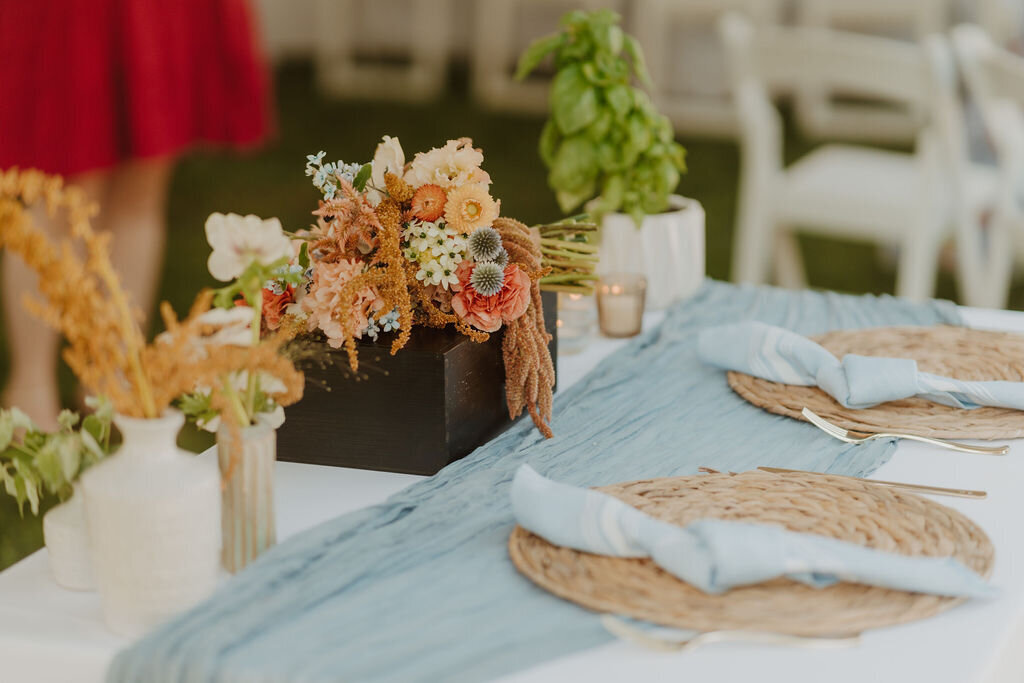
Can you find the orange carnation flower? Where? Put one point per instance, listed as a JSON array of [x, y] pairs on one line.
[[428, 203]]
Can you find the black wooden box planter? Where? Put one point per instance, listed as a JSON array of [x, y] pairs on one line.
[[430, 404]]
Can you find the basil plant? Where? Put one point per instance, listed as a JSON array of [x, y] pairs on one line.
[[605, 142]]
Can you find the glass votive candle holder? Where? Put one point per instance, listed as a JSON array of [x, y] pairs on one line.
[[620, 304], [577, 316]]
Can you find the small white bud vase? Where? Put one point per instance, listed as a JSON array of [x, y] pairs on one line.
[[248, 525], [152, 513], [67, 543], [668, 249]]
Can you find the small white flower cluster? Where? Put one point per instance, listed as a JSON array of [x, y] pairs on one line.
[[388, 322], [325, 175], [437, 249]]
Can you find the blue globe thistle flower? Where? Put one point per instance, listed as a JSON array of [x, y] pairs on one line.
[[502, 258], [484, 244], [487, 278]]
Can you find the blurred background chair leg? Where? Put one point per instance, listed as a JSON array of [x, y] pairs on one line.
[[919, 258], [789, 262]]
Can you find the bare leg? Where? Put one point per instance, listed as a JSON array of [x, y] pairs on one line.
[[32, 385], [137, 216]]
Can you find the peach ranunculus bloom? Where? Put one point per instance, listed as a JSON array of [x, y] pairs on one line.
[[488, 313], [455, 164], [324, 305]]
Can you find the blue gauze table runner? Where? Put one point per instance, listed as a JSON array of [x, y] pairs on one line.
[[420, 587]]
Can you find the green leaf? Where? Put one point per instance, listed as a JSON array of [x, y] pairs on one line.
[[612, 192], [639, 133], [49, 464], [304, 255], [225, 296], [575, 165], [6, 429], [21, 420], [573, 100], [620, 99], [607, 37], [101, 407], [569, 200], [549, 140], [362, 177], [93, 452], [597, 131], [608, 157], [67, 420], [26, 485], [70, 456], [636, 53], [536, 52]]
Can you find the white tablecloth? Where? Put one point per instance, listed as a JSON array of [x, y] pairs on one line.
[[51, 635]]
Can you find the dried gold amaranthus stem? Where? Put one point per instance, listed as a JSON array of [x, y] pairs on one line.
[[83, 298], [529, 370]]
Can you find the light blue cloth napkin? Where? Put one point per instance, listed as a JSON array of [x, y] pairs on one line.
[[779, 355], [715, 555]]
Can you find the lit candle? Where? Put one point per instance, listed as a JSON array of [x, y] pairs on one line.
[[620, 304]]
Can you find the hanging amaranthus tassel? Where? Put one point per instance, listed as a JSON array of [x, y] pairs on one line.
[[529, 370]]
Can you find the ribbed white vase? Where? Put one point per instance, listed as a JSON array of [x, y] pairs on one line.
[[152, 512], [247, 505], [668, 249], [67, 543]]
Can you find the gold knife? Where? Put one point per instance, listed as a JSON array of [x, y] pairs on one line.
[[918, 488]]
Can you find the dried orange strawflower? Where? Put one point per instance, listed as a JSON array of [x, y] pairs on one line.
[[428, 203]]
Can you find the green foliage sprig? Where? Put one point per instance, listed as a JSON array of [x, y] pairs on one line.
[[605, 140], [36, 462]]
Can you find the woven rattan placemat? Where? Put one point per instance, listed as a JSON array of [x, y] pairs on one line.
[[950, 351], [842, 508]]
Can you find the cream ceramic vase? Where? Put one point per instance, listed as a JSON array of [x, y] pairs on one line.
[[247, 504], [67, 543], [668, 249], [152, 512]]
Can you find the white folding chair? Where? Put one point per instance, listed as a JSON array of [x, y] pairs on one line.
[[905, 200], [685, 58], [1003, 20], [995, 82], [503, 29], [825, 111], [420, 69]]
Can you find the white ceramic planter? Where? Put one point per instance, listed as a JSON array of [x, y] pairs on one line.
[[67, 543], [668, 249], [247, 505], [152, 513]]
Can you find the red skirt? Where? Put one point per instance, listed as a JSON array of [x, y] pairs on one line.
[[86, 84]]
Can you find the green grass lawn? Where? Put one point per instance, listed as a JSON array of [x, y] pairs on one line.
[[271, 183]]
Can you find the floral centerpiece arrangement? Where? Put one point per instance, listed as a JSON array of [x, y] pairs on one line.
[[399, 244]]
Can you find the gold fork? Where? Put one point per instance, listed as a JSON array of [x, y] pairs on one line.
[[860, 437], [625, 631]]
